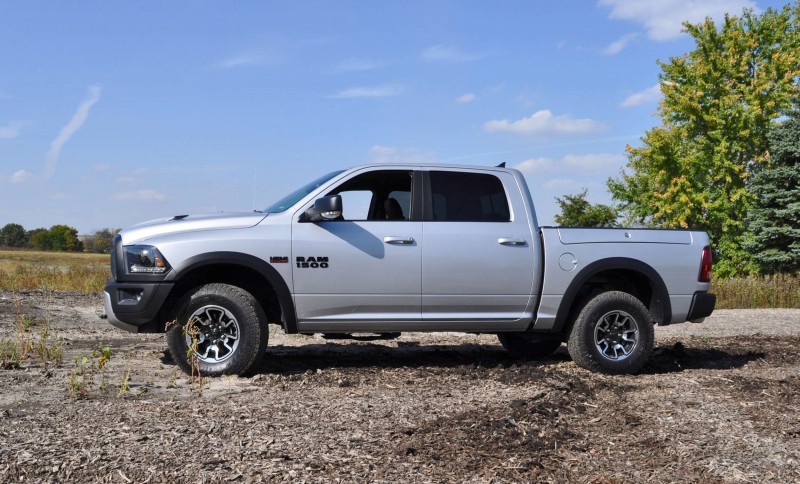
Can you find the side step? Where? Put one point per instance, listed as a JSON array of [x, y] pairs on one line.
[[361, 336]]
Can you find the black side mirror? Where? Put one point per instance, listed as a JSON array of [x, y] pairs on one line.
[[325, 208]]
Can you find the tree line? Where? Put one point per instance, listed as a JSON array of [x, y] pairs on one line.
[[61, 238], [726, 155]]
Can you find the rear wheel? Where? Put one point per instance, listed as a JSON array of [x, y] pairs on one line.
[[613, 334], [530, 345], [225, 328]]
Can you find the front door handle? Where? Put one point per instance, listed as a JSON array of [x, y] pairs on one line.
[[395, 240], [511, 241]]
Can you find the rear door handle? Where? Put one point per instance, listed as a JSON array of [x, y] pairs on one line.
[[395, 240], [511, 241]]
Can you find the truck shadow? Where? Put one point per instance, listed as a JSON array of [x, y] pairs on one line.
[[677, 357], [666, 358], [298, 359]]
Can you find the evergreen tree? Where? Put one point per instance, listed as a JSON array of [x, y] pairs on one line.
[[774, 219]]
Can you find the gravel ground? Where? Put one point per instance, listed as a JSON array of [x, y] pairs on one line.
[[718, 402], [739, 322]]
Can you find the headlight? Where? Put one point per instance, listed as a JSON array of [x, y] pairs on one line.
[[144, 259]]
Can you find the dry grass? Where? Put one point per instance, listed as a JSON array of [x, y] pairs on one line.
[[63, 271], [59, 271], [779, 291]]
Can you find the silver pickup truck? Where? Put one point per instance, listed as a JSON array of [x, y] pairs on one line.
[[389, 248]]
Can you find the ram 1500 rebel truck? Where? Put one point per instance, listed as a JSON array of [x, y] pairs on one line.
[[391, 248]]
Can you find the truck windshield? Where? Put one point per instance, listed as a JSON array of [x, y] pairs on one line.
[[294, 197]]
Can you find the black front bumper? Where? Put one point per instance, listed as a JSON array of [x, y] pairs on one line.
[[134, 306], [702, 306]]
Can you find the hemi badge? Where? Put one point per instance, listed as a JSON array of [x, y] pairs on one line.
[[278, 260]]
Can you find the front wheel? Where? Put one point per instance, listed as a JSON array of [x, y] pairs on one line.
[[221, 329], [612, 334]]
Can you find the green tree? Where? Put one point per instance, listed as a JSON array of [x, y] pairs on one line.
[[101, 240], [719, 102], [64, 238], [13, 235], [576, 211], [774, 220], [39, 239]]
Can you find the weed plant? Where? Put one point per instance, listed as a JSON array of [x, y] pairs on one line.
[[19, 349], [81, 378], [125, 383], [190, 330]]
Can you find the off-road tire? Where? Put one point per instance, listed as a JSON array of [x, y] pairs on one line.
[[244, 317], [600, 339], [529, 345]]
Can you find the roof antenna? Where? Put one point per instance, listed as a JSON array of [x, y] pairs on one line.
[[502, 165]]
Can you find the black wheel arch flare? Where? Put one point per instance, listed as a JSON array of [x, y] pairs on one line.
[[659, 305], [240, 259]]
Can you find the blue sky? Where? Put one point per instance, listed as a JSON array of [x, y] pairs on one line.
[[113, 113]]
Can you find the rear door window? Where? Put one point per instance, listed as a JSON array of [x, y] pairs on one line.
[[467, 197]]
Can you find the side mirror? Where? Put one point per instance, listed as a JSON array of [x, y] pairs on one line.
[[325, 208]]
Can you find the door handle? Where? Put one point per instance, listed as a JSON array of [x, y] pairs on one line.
[[395, 240], [511, 241]]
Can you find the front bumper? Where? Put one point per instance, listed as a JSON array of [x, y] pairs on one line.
[[702, 306], [134, 306]]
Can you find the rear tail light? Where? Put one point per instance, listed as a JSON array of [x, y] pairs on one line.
[[706, 266]]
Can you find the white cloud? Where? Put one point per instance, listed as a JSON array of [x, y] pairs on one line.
[[127, 180], [594, 161], [565, 185], [144, 195], [389, 154], [72, 127], [376, 91], [651, 94], [466, 98], [535, 165], [616, 47], [242, 60], [663, 19], [20, 176], [348, 65], [544, 122], [11, 129], [263, 55], [586, 163], [444, 53]]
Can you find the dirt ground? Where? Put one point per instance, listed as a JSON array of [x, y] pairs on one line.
[[719, 402]]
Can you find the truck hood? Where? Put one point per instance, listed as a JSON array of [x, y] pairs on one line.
[[189, 223]]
